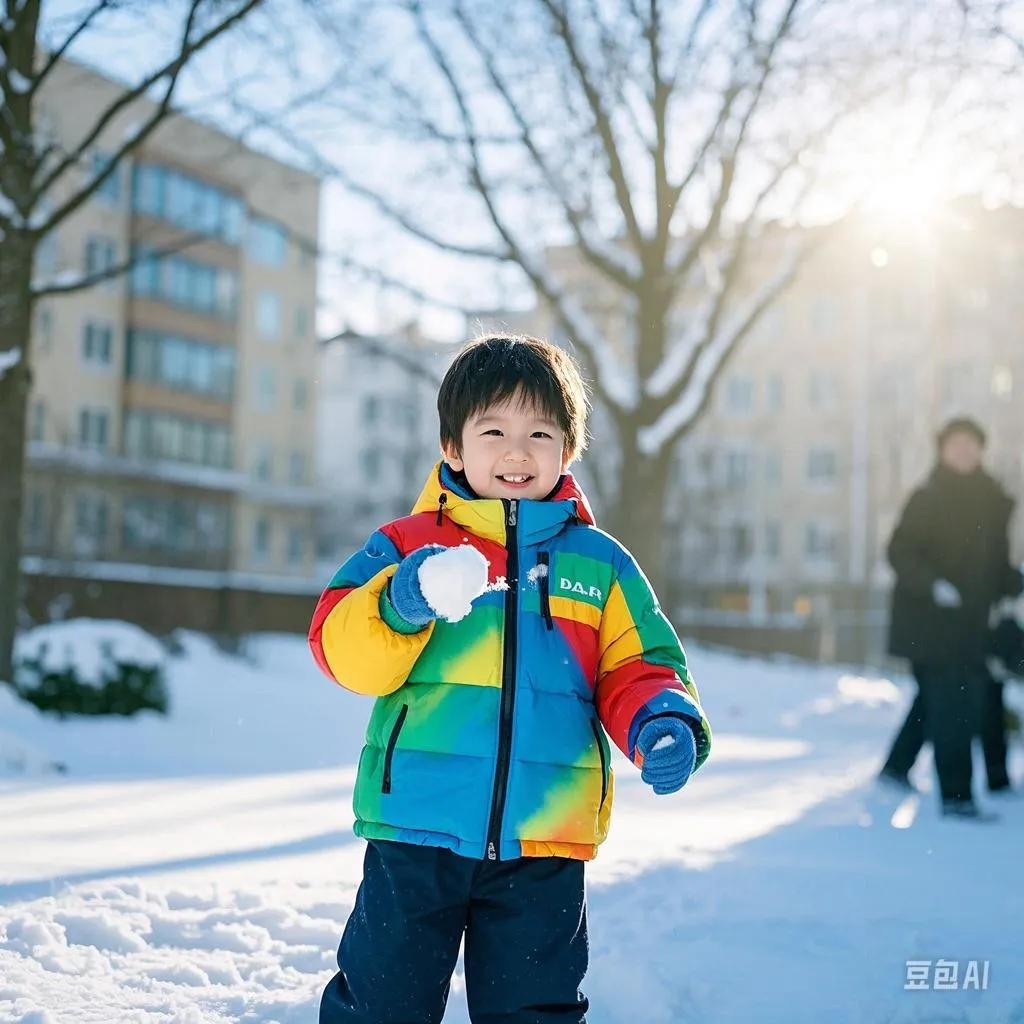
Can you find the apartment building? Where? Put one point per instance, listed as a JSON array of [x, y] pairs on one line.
[[172, 420], [784, 495], [378, 431]]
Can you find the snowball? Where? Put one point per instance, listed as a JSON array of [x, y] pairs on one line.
[[450, 580], [665, 741]]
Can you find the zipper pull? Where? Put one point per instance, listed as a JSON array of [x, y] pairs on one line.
[[491, 855], [441, 502], [512, 512]]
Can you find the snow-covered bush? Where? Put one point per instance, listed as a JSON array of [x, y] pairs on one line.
[[90, 667]]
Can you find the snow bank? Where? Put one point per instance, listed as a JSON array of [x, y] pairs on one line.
[[91, 648], [21, 752], [199, 869]]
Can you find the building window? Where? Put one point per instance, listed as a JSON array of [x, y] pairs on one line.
[[97, 343], [37, 421], [822, 465], [173, 525], [263, 463], [772, 540], [300, 394], [45, 328], [371, 464], [737, 469], [268, 241], [296, 545], [820, 543], [261, 539], [737, 544], [268, 315], [201, 287], [91, 517], [301, 323], [187, 202], [157, 435], [36, 524], [297, 468], [773, 469], [92, 428], [739, 395], [110, 190], [181, 363], [371, 409], [265, 388], [776, 393], [100, 255]]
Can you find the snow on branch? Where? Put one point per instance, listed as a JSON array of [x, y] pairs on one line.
[[8, 360], [672, 368], [710, 361], [615, 381]]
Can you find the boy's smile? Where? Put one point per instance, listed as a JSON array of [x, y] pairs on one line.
[[511, 450]]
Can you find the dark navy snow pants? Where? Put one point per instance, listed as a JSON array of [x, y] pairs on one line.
[[525, 925]]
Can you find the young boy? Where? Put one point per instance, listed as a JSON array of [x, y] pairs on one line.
[[485, 782]]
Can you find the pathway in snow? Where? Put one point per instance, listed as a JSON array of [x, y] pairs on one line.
[[199, 870]]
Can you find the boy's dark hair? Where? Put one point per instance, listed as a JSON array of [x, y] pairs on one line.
[[491, 369]]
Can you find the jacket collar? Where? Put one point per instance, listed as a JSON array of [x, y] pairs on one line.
[[447, 492]]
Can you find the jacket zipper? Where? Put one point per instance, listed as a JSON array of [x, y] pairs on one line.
[[508, 678], [385, 786], [604, 765], [545, 589]]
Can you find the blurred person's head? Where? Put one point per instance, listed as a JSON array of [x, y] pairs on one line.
[[513, 413], [961, 444]]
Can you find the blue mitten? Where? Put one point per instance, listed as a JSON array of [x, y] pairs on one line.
[[404, 590], [668, 767]]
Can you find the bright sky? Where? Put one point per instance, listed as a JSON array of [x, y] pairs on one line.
[[903, 158]]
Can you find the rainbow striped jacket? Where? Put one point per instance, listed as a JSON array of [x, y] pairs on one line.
[[486, 736]]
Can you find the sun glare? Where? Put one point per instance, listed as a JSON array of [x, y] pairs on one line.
[[908, 197]]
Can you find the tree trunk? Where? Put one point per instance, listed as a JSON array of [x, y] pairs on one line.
[[15, 384], [637, 508], [636, 511]]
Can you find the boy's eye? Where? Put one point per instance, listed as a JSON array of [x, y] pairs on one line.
[[541, 433], [493, 430]]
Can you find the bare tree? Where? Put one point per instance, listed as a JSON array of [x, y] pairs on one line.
[[640, 147], [41, 186]]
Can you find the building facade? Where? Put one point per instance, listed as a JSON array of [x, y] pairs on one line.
[[378, 432], [172, 419], [786, 491]]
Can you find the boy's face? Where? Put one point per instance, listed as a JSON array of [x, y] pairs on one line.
[[510, 450]]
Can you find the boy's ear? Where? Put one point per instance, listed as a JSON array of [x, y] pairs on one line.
[[451, 456], [567, 461]]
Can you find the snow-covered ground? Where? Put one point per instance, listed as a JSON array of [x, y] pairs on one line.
[[198, 869]]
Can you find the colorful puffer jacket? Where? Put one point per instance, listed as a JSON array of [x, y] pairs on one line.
[[486, 735]]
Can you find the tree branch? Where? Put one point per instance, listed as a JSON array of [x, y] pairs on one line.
[[602, 122], [78, 284], [376, 345], [610, 263], [57, 55], [171, 71]]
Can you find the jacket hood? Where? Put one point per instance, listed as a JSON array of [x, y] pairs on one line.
[[448, 493]]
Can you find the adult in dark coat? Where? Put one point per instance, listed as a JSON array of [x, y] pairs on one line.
[[950, 551]]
